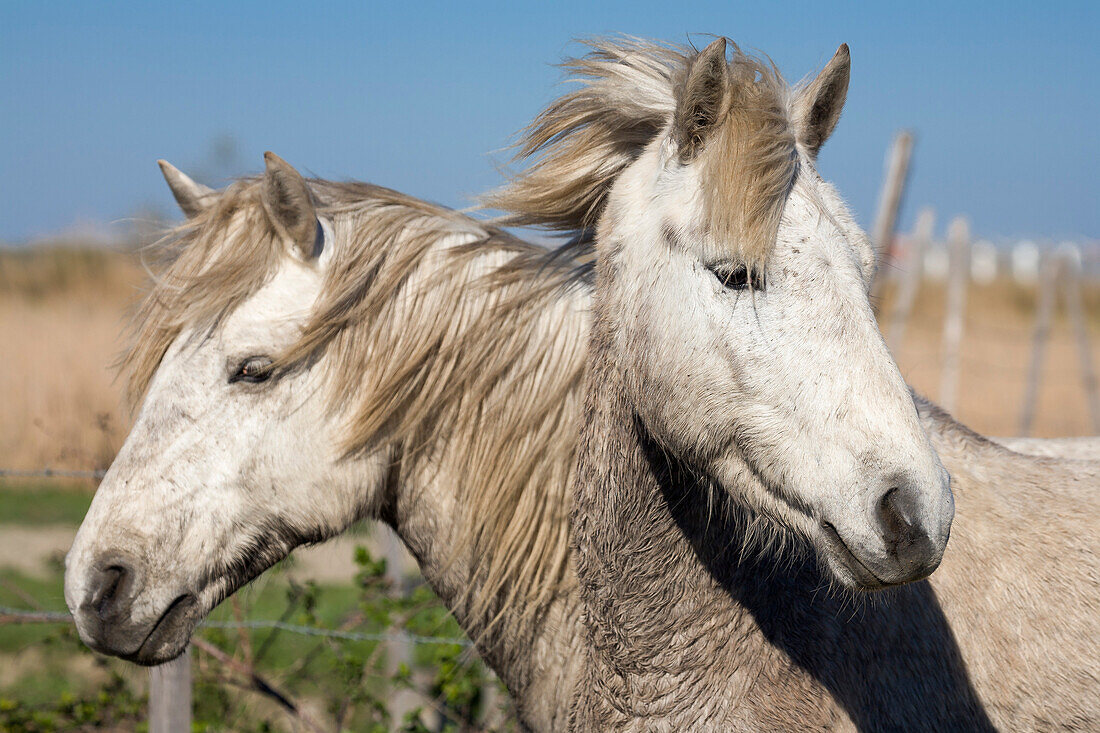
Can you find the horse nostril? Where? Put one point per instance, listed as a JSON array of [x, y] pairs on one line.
[[899, 513], [896, 514], [110, 591]]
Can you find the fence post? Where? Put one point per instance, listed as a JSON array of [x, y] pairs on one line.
[[1071, 291], [1049, 272], [958, 236], [170, 695], [491, 718], [889, 202], [399, 566], [911, 276]]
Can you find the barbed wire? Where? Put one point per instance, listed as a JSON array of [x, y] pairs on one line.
[[33, 617], [22, 615]]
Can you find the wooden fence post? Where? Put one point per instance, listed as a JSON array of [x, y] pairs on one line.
[[170, 696], [912, 272], [958, 236], [491, 717], [1049, 272], [1071, 291], [889, 202], [399, 568]]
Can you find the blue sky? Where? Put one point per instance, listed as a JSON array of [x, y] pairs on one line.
[[424, 97]]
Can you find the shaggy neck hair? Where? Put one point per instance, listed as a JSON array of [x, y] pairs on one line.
[[628, 95], [464, 371]]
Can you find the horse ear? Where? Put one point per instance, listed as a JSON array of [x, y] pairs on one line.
[[289, 205], [702, 100], [819, 105], [193, 198]]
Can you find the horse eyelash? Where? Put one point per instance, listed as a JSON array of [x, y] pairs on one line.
[[738, 277]]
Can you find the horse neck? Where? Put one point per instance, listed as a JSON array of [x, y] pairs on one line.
[[634, 559], [661, 584], [532, 653]]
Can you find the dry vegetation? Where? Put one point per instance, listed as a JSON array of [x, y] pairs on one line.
[[995, 358], [61, 317], [62, 312]]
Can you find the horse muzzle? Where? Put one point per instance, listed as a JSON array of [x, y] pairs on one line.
[[114, 616]]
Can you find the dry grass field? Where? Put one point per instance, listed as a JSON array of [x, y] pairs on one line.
[[995, 358], [62, 313], [61, 318]]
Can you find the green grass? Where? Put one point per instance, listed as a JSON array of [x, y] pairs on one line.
[[43, 501], [16, 591]]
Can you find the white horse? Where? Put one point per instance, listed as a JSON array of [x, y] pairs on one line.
[[315, 353], [738, 386]]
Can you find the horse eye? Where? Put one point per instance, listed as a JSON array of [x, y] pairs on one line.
[[737, 278], [252, 370]]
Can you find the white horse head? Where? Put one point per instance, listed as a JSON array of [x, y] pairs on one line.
[[320, 352], [735, 285], [745, 334], [220, 475]]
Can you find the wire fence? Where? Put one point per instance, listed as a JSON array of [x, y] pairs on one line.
[[984, 340], [23, 615]]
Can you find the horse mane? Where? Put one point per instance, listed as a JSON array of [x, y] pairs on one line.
[[576, 148], [478, 354], [433, 329], [582, 141]]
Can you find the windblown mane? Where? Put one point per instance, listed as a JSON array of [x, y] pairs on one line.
[[582, 141], [463, 345], [576, 148]]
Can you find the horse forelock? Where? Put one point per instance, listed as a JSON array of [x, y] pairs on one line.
[[203, 269], [749, 164], [448, 335], [577, 147]]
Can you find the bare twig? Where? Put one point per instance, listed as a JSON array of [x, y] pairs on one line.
[[24, 595], [258, 682], [242, 633]]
